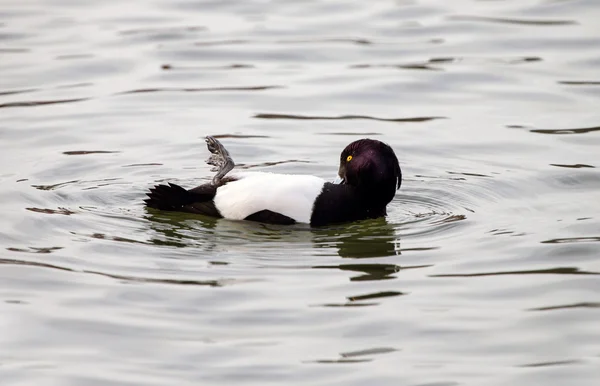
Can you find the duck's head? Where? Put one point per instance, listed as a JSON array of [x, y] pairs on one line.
[[372, 167]]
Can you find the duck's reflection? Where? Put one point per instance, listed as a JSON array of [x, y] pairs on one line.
[[180, 229], [362, 240]]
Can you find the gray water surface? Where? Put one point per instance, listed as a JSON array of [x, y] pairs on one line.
[[485, 272]]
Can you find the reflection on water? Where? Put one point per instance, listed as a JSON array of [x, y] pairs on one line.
[[492, 108], [366, 239]]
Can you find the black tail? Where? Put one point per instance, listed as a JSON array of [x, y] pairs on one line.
[[169, 197], [175, 198]]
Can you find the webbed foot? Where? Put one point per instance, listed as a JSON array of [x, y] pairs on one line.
[[220, 159]]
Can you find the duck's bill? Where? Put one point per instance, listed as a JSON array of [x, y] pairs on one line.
[[338, 180]]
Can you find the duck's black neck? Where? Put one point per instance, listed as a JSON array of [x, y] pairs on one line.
[[377, 194]]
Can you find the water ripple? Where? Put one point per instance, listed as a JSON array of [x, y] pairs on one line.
[[549, 271], [539, 22], [40, 103], [197, 89], [343, 117]]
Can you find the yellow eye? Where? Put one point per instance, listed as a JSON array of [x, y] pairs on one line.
[[349, 158]]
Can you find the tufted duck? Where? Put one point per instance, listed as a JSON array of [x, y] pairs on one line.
[[369, 172]]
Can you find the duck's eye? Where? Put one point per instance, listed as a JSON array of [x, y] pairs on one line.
[[349, 158]]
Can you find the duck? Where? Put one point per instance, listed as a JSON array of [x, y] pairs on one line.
[[369, 176]]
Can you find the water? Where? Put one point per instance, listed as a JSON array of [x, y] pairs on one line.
[[484, 272]]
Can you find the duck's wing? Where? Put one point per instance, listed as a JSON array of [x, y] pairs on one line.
[[240, 203], [259, 196]]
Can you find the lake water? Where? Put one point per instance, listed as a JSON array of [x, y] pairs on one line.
[[485, 272]]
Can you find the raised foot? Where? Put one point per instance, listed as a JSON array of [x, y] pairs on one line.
[[220, 159]]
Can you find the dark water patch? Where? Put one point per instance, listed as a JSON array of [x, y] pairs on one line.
[[342, 360], [54, 186], [13, 92], [14, 301], [503, 232], [85, 152], [219, 136], [434, 64], [439, 384], [377, 295], [125, 278], [513, 21], [434, 177], [15, 36], [41, 103], [30, 90], [62, 184], [513, 60], [444, 59], [369, 351], [418, 67], [414, 66], [273, 163], [33, 250], [450, 218], [357, 41], [348, 304], [190, 68], [218, 263], [371, 271], [566, 131], [62, 211], [525, 59], [469, 174], [14, 50], [75, 85], [419, 249], [163, 30], [151, 241], [552, 363], [196, 89], [580, 83], [435, 212], [74, 57], [102, 236], [550, 271], [32, 263], [184, 282], [356, 356], [567, 306], [572, 240], [343, 117], [137, 165], [573, 166], [348, 133], [222, 42]]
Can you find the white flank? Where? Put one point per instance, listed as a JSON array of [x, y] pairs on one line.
[[287, 194]]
